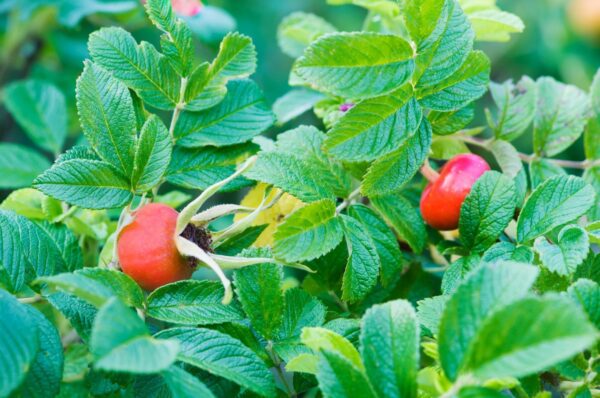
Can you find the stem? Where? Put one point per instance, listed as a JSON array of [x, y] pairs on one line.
[[343, 306], [31, 300], [428, 172], [69, 338], [460, 383], [178, 108], [570, 164], [278, 368], [66, 214], [347, 201]]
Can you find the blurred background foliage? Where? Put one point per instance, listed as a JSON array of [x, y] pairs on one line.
[[46, 39]]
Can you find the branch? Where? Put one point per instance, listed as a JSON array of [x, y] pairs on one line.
[[429, 173], [347, 201]]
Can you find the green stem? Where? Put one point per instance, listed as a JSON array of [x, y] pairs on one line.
[[66, 214], [31, 300], [355, 194], [278, 368], [570, 164]]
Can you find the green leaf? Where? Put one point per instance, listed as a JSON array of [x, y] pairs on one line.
[[243, 240], [557, 330], [308, 233], [120, 342], [19, 165], [181, 384], [542, 169], [258, 288], [141, 67], [13, 266], [375, 126], [430, 311], [446, 123], [516, 107], [495, 25], [384, 240], [290, 174], [177, 41], [294, 103], [107, 117], [18, 345], [480, 392], [319, 339], [26, 202], [507, 157], [298, 30], [97, 286], [152, 155], [242, 115], [338, 378], [79, 313], [173, 382], [445, 148], [305, 143], [419, 15], [352, 65], [236, 60], [363, 261], [300, 310], [90, 184], [557, 201], [486, 211], [49, 248], [506, 251], [447, 48], [303, 363], [458, 271], [592, 133], [39, 108], [199, 168], [390, 173], [70, 12], [390, 348], [224, 356], [587, 294], [485, 291], [192, 302], [46, 371], [562, 111], [404, 219], [461, 88], [569, 251], [592, 176]]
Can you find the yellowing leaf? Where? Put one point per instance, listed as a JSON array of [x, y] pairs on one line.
[[287, 204]]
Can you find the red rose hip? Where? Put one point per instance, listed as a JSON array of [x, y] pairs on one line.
[[147, 250], [441, 200]]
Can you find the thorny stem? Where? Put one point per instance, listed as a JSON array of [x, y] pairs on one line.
[[570, 164], [355, 194], [428, 172]]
